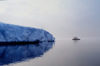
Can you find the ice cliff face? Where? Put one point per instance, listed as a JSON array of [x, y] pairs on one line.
[[9, 32]]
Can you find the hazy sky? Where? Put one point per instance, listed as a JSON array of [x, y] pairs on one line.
[[63, 18]]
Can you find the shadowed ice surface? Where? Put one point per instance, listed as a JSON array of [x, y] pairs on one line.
[[9, 32]]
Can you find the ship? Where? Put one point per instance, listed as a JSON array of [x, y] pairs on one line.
[[76, 38]]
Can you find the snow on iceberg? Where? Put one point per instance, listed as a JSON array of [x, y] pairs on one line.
[[9, 32]]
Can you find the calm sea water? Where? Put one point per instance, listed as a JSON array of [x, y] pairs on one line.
[[85, 52]]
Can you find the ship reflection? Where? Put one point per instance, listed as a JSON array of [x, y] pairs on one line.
[[15, 53]]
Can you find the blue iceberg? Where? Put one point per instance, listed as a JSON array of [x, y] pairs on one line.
[[38, 41], [9, 32]]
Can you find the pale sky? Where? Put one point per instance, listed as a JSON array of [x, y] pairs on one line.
[[62, 18]]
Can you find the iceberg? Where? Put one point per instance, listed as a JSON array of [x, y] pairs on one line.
[[11, 38], [9, 32]]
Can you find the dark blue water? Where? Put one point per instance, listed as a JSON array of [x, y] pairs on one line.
[[18, 53]]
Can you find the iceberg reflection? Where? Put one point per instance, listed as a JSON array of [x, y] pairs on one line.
[[14, 53]]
